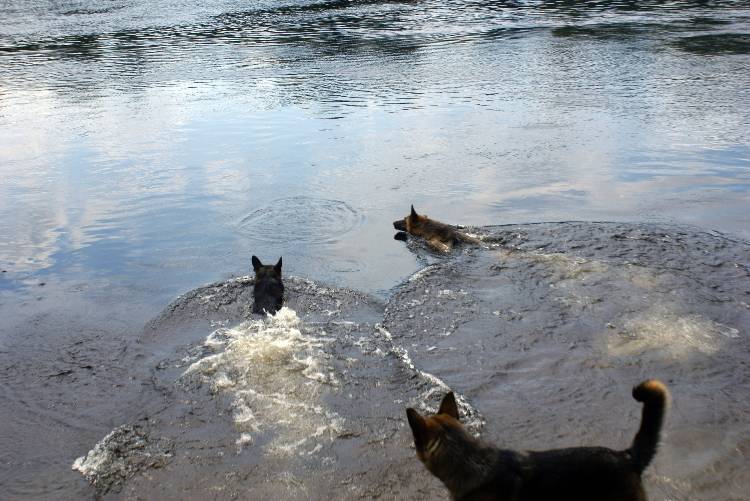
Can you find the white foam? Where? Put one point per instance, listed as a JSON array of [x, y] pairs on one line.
[[420, 273], [275, 370], [120, 454], [90, 464], [244, 440], [661, 329]]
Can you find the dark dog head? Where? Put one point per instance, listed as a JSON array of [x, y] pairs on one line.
[[411, 223], [403, 224], [435, 436], [268, 290]]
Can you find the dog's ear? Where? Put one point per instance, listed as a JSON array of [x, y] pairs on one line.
[[256, 263], [417, 424], [413, 212], [277, 268], [449, 406]]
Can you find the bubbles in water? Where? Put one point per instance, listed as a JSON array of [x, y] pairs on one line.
[[125, 451], [661, 330], [274, 373], [301, 219], [568, 267]]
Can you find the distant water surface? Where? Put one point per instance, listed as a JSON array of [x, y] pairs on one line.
[[142, 139]]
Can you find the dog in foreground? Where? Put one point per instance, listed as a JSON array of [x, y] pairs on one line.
[[268, 291], [475, 471], [439, 236]]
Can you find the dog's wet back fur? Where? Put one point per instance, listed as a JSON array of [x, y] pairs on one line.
[[268, 290], [439, 236], [475, 471]]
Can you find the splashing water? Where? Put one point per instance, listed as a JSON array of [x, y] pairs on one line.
[[274, 371]]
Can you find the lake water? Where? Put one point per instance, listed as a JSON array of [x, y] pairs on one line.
[[144, 139], [150, 147]]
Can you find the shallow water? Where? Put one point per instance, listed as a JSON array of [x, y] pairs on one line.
[[540, 337], [150, 147]]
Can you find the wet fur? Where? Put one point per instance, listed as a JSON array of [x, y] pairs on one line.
[[475, 471], [268, 291], [439, 236]]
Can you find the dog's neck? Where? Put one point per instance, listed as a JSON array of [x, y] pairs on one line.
[[465, 465]]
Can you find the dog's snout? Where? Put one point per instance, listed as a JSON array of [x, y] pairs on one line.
[[399, 225]]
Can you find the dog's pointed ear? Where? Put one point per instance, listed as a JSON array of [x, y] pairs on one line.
[[413, 212], [256, 263], [417, 424], [277, 268], [449, 406]]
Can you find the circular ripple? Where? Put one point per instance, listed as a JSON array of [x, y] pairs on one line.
[[301, 219]]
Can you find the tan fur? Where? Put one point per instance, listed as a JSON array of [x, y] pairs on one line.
[[655, 386], [439, 236]]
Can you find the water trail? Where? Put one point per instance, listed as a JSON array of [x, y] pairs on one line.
[[435, 387]]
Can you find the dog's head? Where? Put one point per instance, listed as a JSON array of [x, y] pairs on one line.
[[438, 435], [269, 289], [411, 223]]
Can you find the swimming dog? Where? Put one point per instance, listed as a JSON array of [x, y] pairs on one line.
[[475, 471], [268, 290], [439, 236]]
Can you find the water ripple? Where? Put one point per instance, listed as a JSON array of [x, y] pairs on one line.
[[302, 220]]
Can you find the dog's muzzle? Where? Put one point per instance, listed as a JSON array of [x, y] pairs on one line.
[[399, 225]]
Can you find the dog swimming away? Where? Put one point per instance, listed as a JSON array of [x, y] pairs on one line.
[[439, 236], [268, 291], [475, 471]]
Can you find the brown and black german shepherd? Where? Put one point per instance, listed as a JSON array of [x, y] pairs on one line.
[[474, 471], [439, 236], [268, 290]]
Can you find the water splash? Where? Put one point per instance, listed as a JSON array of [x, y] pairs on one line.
[[274, 370], [122, 453]]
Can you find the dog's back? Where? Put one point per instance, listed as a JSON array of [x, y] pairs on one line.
[[440, 236], [574, 474]]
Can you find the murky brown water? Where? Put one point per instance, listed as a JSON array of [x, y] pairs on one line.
[[542, 332]]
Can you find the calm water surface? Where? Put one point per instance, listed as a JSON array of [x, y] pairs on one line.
[[149, 147], [142, 139]]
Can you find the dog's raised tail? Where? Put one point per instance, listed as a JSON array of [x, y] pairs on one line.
[[655, 398]]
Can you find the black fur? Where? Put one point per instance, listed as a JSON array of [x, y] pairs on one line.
[[268, 291], [474, 471]]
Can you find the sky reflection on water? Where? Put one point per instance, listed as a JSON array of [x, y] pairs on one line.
[[136, 139]]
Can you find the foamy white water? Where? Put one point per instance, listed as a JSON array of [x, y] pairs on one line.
[[90, 464], [121, 453], [273, 371]]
